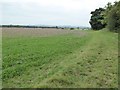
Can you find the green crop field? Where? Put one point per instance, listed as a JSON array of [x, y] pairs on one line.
[[86, 59]]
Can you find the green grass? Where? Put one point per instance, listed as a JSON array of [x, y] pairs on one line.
[[0, 58], [61, 61]]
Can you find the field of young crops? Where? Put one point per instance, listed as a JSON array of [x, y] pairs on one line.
[[59, 58]]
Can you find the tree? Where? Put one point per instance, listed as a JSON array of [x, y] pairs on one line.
[[97, 19], [113, 17]]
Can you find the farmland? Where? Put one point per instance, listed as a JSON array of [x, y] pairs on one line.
[[53, 58]]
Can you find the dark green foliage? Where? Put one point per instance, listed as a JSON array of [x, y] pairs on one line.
[[114, 18], [97, 18], [71, 28], [108, 7], [109, 16]]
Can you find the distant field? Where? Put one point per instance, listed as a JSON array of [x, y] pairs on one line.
[[37, 32], [52, 58]]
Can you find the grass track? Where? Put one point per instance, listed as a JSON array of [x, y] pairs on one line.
[[0, 58], [61, 61]]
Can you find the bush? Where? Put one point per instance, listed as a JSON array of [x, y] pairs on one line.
[[114, 18]]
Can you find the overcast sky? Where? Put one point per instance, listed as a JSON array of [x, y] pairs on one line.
[[49, 12]]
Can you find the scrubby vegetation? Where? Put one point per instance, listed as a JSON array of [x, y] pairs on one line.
[[113, 17], [106, 17]]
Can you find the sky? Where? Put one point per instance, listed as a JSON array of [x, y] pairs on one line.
[[49, 12]]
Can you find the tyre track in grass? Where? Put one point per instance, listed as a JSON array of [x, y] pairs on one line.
[[95, 67], [94, 64]]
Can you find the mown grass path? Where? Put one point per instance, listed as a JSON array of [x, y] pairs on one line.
[[0, 58], [61, 61]]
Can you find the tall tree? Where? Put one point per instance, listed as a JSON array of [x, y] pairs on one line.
[[97, 19], [113, 17]]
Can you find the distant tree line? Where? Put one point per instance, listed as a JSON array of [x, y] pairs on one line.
[[31, 26], [27, 26], [108, 17]]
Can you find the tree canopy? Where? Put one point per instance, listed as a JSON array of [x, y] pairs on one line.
[[97, 18], [106, 17]]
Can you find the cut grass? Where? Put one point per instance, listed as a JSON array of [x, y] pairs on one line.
[[61, 61], [0, 58]]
